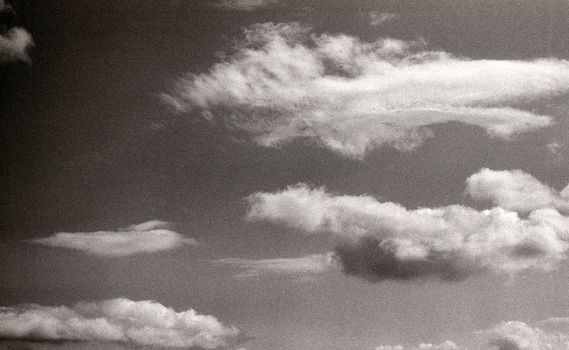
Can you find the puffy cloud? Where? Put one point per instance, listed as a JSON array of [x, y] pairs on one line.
[[385, 241], [283, 83], [140, 323], [14, 41], [516, 335], [148, 237], [515, 190], [309, 265], [245, 5]]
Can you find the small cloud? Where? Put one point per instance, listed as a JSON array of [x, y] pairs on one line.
[[309, 265], [148, 237], [517, 335], [378, 18], [447, 345], [245, 5], [137, 323], [515, 190], [14, 41]]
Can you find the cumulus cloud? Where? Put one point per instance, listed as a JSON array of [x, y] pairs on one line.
[[516, 335], [148, 237], [283, 82], [245, 5], [140, 323], [381, 241], [309, 265], [14, 41], [515, 190]]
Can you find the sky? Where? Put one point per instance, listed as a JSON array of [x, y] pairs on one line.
[[284, 174]]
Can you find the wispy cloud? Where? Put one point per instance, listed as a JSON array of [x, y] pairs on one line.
[[148, 237], [301, 267], [14, 41], [139, 323], [377, 18], [245, 5], [381, 241], [447, 345], [283, 82]]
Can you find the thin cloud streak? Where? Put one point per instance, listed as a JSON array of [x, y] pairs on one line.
[[309, 265]]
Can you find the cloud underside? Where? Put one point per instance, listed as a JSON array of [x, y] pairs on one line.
[[301, 267], [148, 237], [381, 241], [281, 83], [550, 334], [140, 323]]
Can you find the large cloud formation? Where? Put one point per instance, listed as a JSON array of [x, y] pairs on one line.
[[385, 241], [283, 83], [140, 323], [14, 41], [148, 237]]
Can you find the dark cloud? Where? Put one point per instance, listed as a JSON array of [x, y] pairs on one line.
[[376, 260]]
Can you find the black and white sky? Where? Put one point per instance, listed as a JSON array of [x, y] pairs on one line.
[[284, 174]]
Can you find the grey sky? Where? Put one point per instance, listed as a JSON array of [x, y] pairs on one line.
[[148, 177]]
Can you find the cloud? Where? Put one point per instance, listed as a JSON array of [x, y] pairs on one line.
[[14, 41], [516, 335], [148, 237], [245, 5], [378, 18], [298, 267], [140, 323], [447, 345], [381, 241], [515, 190], [282, 83]]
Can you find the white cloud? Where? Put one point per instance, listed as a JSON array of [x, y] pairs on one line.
[[447, 345], [15, 41], [245, 5], [283, 83], [516, 335], [384, 240], [140, 323], [148, 237], [515, 190], [298, 267]]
